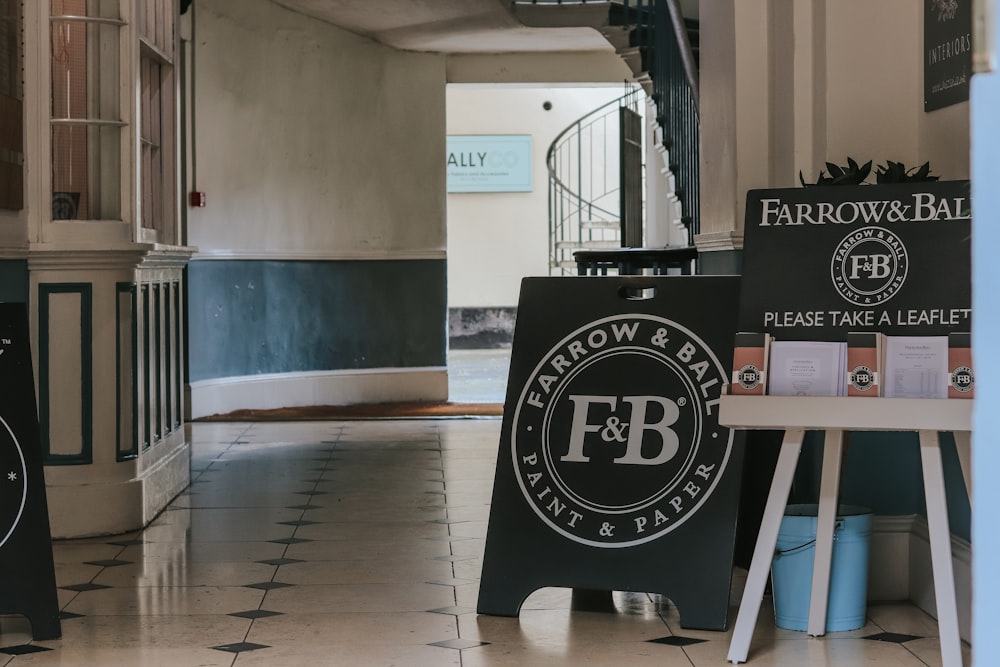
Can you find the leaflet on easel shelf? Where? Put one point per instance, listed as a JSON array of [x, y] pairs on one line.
[[961, 379], [803, 368], [916, 367], [750, 358], [865, 363]]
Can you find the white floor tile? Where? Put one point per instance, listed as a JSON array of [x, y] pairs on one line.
[[384, 570]]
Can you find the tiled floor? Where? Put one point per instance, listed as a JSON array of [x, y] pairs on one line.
[[360, 543]]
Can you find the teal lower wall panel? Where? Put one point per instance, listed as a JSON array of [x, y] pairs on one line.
[[882, 471], [14, 280], [248, 317]]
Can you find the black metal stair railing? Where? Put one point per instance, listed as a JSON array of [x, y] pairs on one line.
[[583, 162], [668, 47], [675, 81], [668, 44]]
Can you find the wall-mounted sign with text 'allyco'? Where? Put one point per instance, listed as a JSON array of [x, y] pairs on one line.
[[489, 163]]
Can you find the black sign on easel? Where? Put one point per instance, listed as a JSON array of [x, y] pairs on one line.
[[27, 572], [822, 261], [613, 471]]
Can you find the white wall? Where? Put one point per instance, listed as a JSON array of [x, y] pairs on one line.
[[797, 84], [495, 239], [875, 93], [311, 141]]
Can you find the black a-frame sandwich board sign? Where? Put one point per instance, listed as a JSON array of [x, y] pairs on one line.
[[613, 472], [27, 572]]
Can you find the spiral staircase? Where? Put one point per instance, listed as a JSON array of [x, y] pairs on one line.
[[660, 47]]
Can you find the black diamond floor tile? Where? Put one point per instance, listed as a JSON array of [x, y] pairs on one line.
[[23, 649], [298, 523], [127, 543], [84, 587], [677, 641], [453, 610], [64, 615], [269, 585], [451, 582], [894, 637], [256, 613], [458, 644], [240, 647], [108, 563], [281, 561], [305, 507], [290, 540]]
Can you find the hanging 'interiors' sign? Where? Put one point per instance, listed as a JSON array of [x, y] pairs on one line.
[[489, 163], [819, 262], [947, 52]]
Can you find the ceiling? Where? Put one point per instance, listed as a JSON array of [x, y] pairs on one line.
[[457, 26]]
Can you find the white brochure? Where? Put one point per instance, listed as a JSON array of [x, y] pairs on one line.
[[916, 367], [804, 368]]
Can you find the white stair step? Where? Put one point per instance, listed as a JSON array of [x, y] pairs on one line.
[[601, 224]]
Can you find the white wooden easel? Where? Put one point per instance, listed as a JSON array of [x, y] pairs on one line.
[[837, 415]]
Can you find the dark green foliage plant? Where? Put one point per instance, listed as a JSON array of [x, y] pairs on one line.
[[852, 174], [855, 174], [896, 172]]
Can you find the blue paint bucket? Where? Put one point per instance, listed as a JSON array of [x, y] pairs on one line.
[[791, 569]]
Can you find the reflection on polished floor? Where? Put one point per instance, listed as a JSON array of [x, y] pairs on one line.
[[478, 376], [360, 543]]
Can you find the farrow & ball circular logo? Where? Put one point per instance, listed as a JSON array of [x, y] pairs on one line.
[[962, 379], [869, 266], [862, 378], [13, 482], [748, 377], [615, 438]]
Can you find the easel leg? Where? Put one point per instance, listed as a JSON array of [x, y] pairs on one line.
[[829, 490], [940, 536], [963, 445], [763, 553]]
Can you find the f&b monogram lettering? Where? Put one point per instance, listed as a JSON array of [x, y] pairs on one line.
[[873, 266], [614, 430]]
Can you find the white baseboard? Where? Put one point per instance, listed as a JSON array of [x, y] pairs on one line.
[[889, 558], [113, 498], [285, 390], [899, 567]]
